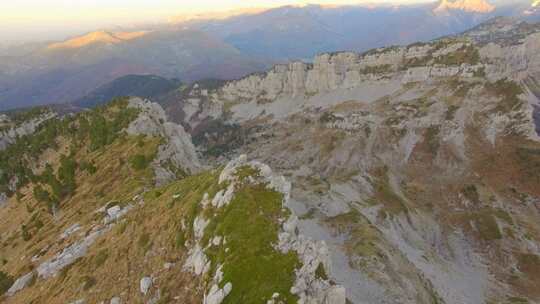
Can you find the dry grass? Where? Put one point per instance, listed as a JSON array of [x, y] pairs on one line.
[[105, 268]]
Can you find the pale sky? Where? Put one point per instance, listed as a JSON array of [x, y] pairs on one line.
[[54, 19]]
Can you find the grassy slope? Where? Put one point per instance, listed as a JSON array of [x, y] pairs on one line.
[[149, 236]]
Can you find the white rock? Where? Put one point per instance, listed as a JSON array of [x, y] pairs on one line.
[[115, 300], [216, 241], [69, 255], [197, 262], [70, 230], [3, 199], [145, 285], [178, 149], [20, 284], [199, 224], [26, 128], [216, 295], [168, 266], [113, 211]]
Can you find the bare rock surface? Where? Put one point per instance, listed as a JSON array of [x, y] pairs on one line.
[[177, 151]]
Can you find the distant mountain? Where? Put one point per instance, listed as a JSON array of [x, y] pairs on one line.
[[294, 32], [97, 37], [475, 6], [402, 175], [66, 71], [145, 86], [230, 46]]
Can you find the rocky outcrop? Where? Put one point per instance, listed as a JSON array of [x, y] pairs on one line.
[[25, 128], [70, 254], [312, 254], [145, 284], [216, 295], [489, 51], [177, 153], [21, 283], [342, 71]]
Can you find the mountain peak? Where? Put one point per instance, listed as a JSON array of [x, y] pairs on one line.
[[472, 6], [97, 37]]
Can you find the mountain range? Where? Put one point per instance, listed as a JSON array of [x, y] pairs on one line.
[[228, 48], [402, 174]]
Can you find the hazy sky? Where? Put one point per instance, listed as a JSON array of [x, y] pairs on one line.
[[55, 19]]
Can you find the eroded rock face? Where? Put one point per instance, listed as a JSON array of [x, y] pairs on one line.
[[312, 253], [358, 133], [177, 152], [26, 128], [340, 71], [68, 256]]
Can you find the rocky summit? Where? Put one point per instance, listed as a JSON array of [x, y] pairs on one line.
[[404, 174]]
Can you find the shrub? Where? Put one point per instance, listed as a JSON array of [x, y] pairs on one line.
[[144, 241], [101, 257], [88, 167], [139, 162], [320, 272], [471, 193], [66, 175], [88, 282], [5, 282], [26, 236], [432, 138]]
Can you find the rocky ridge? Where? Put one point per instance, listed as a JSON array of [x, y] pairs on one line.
[[177, 153], [332, 78], [312, 254], [27, 127], [359, 134], [401, 175]]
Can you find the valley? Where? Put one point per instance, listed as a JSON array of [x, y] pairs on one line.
[[400, 174]]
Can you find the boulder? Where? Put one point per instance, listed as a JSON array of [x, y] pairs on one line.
[[217, 295], [115, 300], [21, 283], [145, 285], [113, 211], [178, 149]]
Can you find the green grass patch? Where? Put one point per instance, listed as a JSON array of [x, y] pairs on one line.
[[487, 227], [509, 92], [432, 139], [140, 161], [255, 269], [320, 272], [144, 241], [101, 257], [363, 235], [88, 282], [471, 193], [467, 54], [5, 282], [392, 203]]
